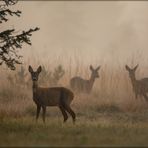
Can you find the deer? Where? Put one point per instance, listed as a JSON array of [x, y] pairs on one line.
[[140, 87], [51, 96], [79, 84]]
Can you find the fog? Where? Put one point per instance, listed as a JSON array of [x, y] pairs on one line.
[[94, 32]]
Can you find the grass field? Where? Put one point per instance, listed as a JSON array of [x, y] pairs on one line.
[[107, 129], [109, 116]]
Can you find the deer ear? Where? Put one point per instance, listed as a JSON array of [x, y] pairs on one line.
[[39, 69], [30, 69], [98, 68], [91, 68], [127, 68], [135, 67]]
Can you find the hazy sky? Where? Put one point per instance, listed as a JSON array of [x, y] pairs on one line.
[[91, 31]]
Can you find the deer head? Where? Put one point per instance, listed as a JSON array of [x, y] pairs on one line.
[[94, 73], [131, 70], [34, 74]]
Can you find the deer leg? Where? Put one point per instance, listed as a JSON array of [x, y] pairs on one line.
[[64, 113], [71, 112], [145, 96], [44, 113], [38, 111]]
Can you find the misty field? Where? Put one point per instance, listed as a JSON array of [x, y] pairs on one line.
[[109, 116]]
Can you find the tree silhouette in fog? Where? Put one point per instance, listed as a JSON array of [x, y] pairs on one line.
[[10, 43]]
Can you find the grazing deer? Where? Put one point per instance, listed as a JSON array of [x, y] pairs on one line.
[[140, 87], [54, 96], [81, 85]]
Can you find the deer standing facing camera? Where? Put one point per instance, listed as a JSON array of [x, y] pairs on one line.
[[52, 96], [81, 85], [140, 87]]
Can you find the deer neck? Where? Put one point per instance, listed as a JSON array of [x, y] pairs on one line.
[[91, 81], [34, 89], [35, 86], [134, 81]]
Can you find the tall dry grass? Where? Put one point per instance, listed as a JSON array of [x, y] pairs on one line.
[[112, 91]]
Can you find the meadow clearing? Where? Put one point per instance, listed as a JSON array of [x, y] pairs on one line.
[[109, 116]]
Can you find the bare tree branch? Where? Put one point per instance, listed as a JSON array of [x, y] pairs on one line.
[[9, 42], [10, 2], [3, 14], [8, 52]]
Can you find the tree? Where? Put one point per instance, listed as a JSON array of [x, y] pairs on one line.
[[9, 42]]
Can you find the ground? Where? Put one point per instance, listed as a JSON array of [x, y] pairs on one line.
[[103, 128]]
